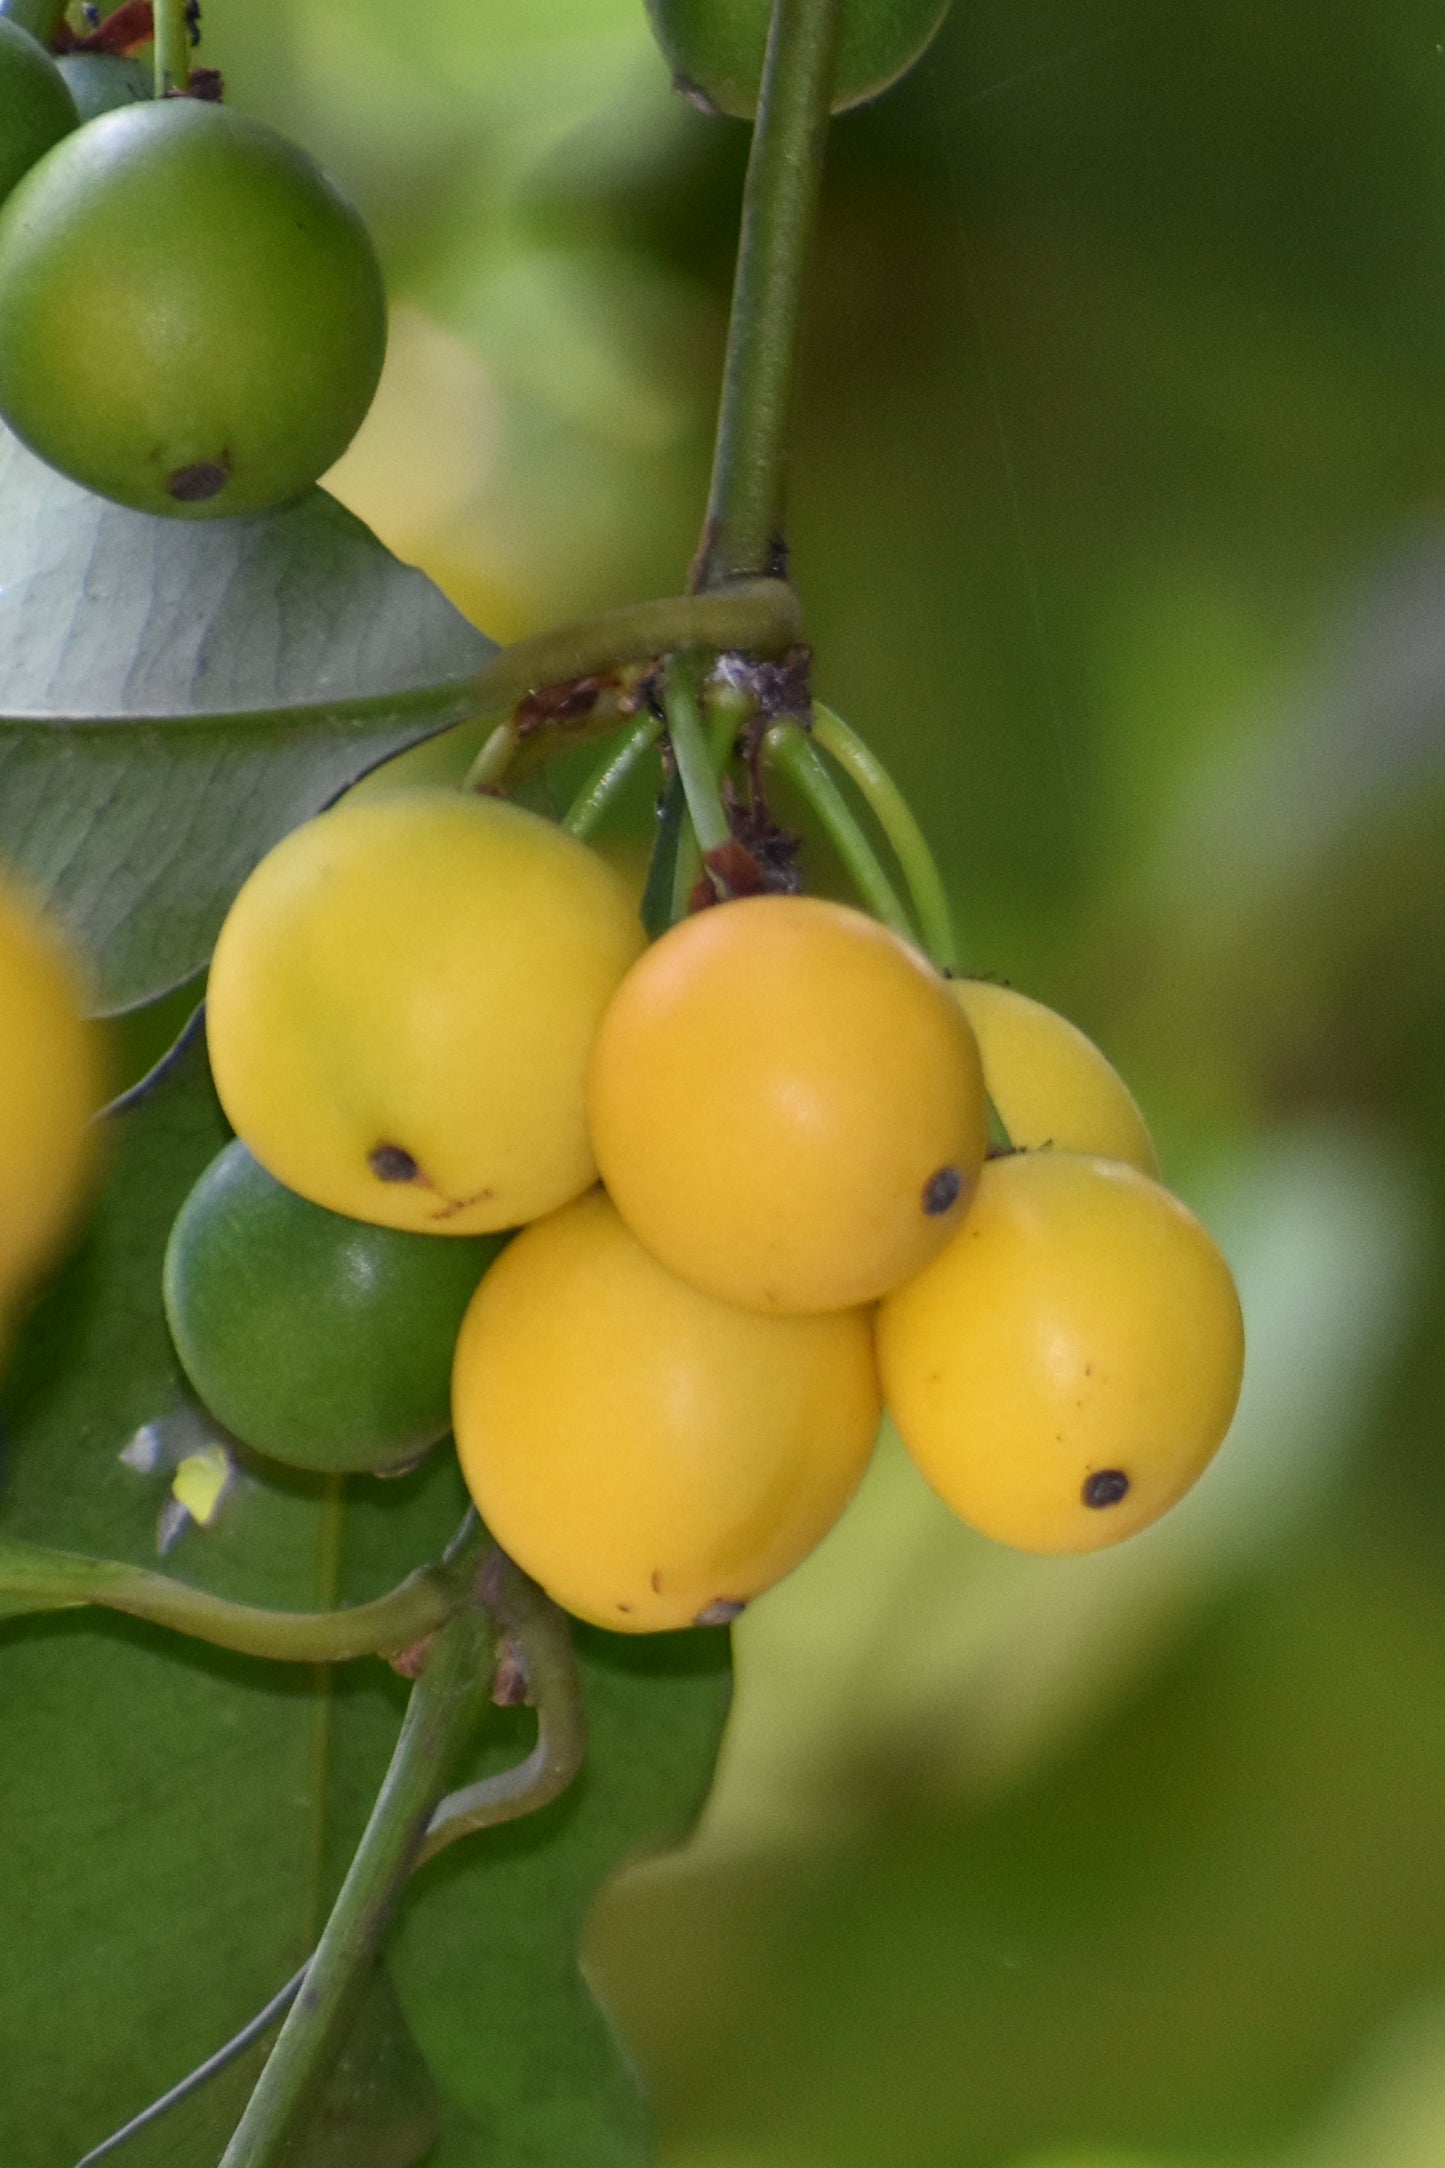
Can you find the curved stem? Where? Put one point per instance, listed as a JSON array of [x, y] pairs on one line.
[[537, 1633], [449, 1696], [608, 777], [541, 1636], [743, 535], [760, 615], [789, 747], [33, 1578], [172, 49], [895, 817]]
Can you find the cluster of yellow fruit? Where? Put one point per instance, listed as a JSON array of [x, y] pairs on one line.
[[51, 1085], [435, 1012]]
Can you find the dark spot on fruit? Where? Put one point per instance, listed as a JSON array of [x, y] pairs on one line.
[[389, 1163], [194, 484], [721, 1613], [1105, 1487], [657, 1584], [941, 1191], [624, 1607]]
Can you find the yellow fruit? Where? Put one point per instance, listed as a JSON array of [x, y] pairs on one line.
[[1069, 1366], [787, 1105], [1050, 1084], [51, 1085], [652, 1457], [401, 1006]]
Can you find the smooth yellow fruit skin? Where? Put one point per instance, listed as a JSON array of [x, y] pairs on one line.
[[1050, 1083], [1082, 1324], [419, 977], [773, 1092], [654, 1458], [51, 1086]]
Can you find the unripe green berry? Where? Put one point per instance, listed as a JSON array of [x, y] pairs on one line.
[[319, 1340]]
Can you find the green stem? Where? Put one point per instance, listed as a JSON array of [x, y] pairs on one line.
[[761, 616], [172, 49], [661, 888], [36, 1579], [540, 1634], [608, 777], [895, 817], [542, 1639], [691, 752], [726, 715], [744, 531], [789, 747], [446, 1702]]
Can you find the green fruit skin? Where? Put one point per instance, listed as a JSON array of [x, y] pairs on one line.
[[192, 318], [321, 1341], [717, 46], [41, 18], [36, 108], [99, 82]]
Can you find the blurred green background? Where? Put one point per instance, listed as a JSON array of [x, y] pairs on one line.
[[1117, 512]]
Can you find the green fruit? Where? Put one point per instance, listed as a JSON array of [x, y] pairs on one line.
[[717, 46], [36, 108], [319, 1340], [42, 18], [99, 82], [192, 318]]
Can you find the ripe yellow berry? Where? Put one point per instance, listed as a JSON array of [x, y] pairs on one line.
[[787, 1105], [1051, 1085], [654, 1458], [401, 1006], [51, 1085], [1069, 1366]]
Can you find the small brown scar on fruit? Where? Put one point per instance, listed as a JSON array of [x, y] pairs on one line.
[[721, 1613], [941, 1191], [453, 1205], [657, 1584], [202, 479], [1105, 1487], [391, 1163]]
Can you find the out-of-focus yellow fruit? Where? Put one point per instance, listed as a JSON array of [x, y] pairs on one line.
[[654, 1458], [1069, 1366], [787, 1105], [51, 1086], [401, 1007], [1050, 1083]]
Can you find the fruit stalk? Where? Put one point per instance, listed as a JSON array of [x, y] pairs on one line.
[[172, 49], [743, 536], [789, 747], [449, 1696], [895, 816], [33, 1578]]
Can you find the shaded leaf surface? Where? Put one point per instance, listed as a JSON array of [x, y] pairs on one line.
[[177, 694], [175, 1819]]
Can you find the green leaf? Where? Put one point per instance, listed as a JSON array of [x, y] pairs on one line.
[[175, 1819], [176, 694]]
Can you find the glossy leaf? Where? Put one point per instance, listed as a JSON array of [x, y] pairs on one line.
[[176, 1819], [177, 694]]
